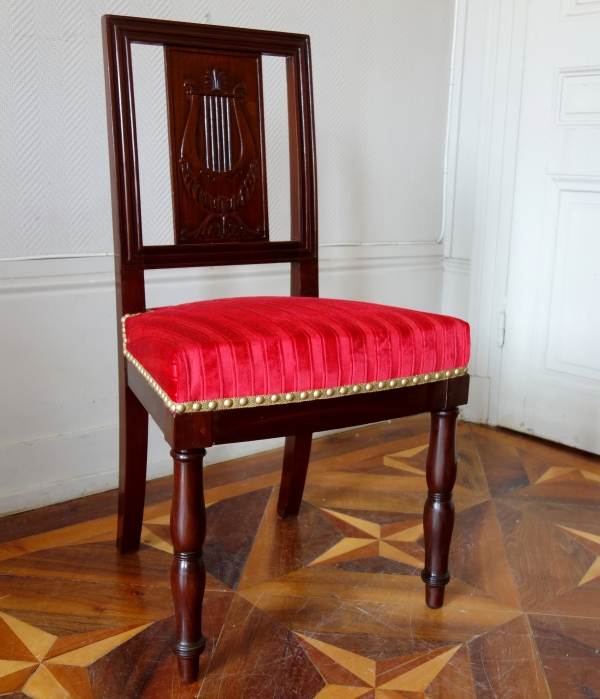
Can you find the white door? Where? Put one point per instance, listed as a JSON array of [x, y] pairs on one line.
[[550, 372]]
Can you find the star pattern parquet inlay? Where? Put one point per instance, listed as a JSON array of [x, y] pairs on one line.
[[329, 605]]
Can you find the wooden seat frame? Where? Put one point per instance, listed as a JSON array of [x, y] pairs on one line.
[[189, 434]]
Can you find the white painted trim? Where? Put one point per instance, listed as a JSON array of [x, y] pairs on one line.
[[453, 125], [414, 264], [58, 256], [379, 250], [457, 265], [63, 282], [476, 410], [326, 251], [561, 75], [507, 25], [390, 243]]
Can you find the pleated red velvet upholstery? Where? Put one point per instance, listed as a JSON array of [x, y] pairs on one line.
[[262, 345]]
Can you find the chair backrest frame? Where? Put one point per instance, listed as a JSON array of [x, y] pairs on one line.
[[132, 257]]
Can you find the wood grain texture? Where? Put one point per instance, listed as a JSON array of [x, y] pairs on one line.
[[438, 515], [188, 574], [485, 567], [517, 620], [227, 547], [275, 655], [505, 663], [569, 648]]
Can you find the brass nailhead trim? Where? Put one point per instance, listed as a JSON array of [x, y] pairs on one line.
[[296, 396]]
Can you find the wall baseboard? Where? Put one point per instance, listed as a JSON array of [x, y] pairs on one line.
[[64, 467], [58, 434], [477, 409], [81, 459]]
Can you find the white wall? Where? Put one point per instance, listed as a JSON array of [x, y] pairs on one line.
[[381, 76], [381, 73]]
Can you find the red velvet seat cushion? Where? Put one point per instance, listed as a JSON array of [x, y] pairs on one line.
[[227, 348]]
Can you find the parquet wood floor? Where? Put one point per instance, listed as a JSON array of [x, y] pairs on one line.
[[329, 605]]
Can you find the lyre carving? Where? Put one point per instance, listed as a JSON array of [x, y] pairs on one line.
[[218, 162]]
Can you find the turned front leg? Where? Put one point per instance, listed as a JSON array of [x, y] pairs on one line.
[[438, 515], [188, 576]]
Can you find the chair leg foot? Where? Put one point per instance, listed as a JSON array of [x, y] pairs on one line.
[[293, 476], [438, 515], [188, 668], [188, 575], [434, 596]]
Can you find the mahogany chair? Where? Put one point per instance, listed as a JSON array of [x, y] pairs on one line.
[[231, 370]]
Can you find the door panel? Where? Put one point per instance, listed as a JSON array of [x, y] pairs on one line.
[[550, 377]]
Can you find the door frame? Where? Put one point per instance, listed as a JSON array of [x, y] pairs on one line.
[[505, 41]]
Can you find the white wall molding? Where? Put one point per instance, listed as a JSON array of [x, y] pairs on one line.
[[455, 99], [380, 148], [455, 291], [382, 250], [455, 265], [464, 125], [577, 8], [65, 276], [326, 251]]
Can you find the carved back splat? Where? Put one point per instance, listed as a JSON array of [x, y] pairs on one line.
[[217, 151], [221, 164]]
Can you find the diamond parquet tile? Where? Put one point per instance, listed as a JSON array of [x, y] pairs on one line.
[[329, 604]]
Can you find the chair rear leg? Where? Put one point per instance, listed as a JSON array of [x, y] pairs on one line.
[[438, 515], [293, 476], [188, 574], [133, 455]]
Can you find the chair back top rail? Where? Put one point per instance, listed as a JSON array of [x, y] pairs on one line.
[[217, 151]]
